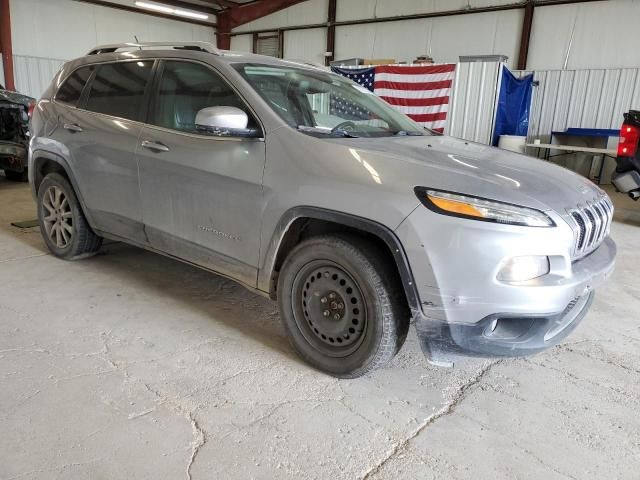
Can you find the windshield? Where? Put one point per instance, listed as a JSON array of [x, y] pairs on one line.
[[322, 103]]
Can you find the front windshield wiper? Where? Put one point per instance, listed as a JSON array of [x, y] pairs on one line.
[[327, 131], [406, 133]]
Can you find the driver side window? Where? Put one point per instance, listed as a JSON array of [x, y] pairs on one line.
[[185, 88]]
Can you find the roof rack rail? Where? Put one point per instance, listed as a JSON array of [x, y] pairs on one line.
[[200, 46]]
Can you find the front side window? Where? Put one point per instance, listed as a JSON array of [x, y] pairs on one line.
[[318, 102], [185, 89], [118, 89], [71, 89]]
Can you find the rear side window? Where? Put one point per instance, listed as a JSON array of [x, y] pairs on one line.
[[71, 89], [118, 89]]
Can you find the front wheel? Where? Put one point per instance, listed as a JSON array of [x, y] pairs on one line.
[[342, 305], [64, 228]]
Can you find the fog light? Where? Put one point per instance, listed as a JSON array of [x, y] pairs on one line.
[[521, 269]]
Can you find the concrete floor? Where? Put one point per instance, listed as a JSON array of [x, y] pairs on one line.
[[130, 365]]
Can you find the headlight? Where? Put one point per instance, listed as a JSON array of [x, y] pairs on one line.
[[521, 269], [481, 209]]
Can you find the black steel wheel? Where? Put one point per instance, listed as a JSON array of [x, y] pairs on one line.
[[342, 305], [330, 309]]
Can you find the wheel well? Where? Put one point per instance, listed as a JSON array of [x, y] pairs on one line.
[[43, 167], [304, 228]]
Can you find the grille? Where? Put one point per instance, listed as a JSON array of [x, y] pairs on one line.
[[592, 223]]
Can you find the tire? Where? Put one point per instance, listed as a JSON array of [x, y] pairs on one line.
[[14, 176], [63, 225], [342, 304]]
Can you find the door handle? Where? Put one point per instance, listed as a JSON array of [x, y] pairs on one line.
[[154, 146], [73, 127]]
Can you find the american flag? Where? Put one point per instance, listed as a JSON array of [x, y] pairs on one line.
[[420, 91]]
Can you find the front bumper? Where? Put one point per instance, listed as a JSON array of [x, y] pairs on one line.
[[467, 311]]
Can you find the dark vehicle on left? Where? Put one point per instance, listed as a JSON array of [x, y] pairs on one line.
[[15, 111]]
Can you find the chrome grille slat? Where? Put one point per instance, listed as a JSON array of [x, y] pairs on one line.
[[604, 220], [598, 223], [591, 225]]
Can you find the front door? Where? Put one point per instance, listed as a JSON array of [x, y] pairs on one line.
[[201, 193]]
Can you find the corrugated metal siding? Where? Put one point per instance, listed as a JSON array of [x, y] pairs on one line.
[[34, 74], [473, 101], [581, 99]]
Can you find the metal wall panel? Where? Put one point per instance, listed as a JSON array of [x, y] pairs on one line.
[[34, 74], [582, 99], [242, 43], [473, 102], [586, 35], [306, 45], [493, 33], [67, 29]]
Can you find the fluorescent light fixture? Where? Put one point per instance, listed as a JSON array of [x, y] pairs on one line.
[[171, 11]]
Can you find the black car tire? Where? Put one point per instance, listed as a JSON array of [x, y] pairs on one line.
[[372, 326], [81, 242], [14, 176]]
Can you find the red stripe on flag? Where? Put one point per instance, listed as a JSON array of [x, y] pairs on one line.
[[414, 86], [428, 117], [424, 70], [416, 102], [439, 130]]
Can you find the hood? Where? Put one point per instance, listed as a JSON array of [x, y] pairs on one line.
[[455, 165]]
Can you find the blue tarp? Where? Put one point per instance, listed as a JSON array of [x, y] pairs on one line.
[[514, 103]]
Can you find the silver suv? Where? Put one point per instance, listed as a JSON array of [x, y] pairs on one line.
[[307, 188]]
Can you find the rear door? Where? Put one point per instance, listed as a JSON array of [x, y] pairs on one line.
[[201, 193], [101, 136]]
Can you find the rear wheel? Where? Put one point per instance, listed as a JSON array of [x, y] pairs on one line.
[[342, 305], [14, 176], [64, 228]]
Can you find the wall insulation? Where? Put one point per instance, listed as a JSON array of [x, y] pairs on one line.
[[587, 35], [34, 74], [45, 33]]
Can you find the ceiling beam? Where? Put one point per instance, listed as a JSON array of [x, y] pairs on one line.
[[126, 8], [248, 12], [222, 3], [239, 15]]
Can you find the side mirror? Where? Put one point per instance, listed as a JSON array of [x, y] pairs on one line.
[[222, 120]]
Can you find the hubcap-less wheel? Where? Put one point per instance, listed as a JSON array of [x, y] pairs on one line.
[[329, 307], [57, 218]]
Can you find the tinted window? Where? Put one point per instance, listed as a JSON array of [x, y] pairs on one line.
[[71, 89], [118, 89], [185, 89]]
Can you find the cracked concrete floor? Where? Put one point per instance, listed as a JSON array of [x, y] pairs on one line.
[[131, 365]]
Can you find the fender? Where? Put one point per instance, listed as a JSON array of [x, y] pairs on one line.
[[377, 229], [36, 157]]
